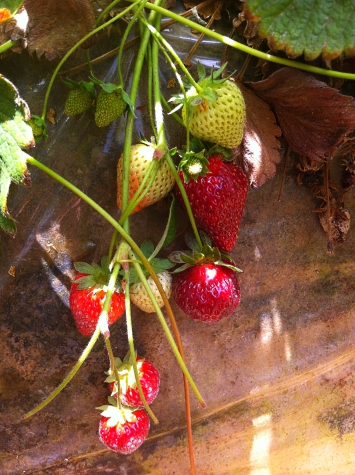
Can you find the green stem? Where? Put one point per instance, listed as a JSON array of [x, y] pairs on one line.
[[75, 47], [113, 369], [8, 45], [107, 9], [103, 320], [158, 109], [247, 49], [166, 329], [70, 375], [133, 351], [130, 117], [150, 93], [124, 38], [140, 194], [157, 35], [124, 235], [185, 198]]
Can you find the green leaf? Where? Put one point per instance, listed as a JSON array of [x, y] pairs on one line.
[[311, 27], [15, 134], [147, 247], [201, 71]]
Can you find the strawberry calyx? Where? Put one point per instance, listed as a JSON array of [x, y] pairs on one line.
[[205, 93], [111, 88], [158, 264], [117, 415], [84, 85], [197, 256], [193, 165], [125, 371], [92, 275]]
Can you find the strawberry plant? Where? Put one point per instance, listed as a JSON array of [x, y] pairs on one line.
[[209, 173]]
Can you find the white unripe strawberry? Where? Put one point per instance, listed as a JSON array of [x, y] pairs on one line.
[[219, 121], [141, 156], [139, 296]]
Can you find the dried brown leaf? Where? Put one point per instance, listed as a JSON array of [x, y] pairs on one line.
[[314, 118], [261, 148], [339, 223], [206, 11], [55, 26]]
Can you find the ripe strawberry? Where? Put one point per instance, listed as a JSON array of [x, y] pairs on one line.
[[109, 106], [139, 296], [148, 376], [217, 200], [217, 114], [123, 430], [141, 156], [87, 297], [206, 292]]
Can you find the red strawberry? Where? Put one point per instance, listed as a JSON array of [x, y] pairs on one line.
[[123, 430], [217, 200], [148, 376], [206, 292], [87, 297]]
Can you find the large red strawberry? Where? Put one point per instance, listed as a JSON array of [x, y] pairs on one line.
[[206, 287], [149, 379], [123, 429], [217, 199], [87, 297]]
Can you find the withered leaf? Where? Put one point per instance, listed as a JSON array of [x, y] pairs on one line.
[[260, 147], [313, 117], [54, 27], [210, 8], [339, 223]]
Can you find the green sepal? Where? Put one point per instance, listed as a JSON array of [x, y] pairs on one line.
[[86, 86], [110, 88], [96, 275], [193, 165]]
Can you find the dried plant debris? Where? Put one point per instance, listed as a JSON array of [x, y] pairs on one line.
[[335, 222], [49, 28], [310, 173], [260, 146], [302, 105], [341, 418]]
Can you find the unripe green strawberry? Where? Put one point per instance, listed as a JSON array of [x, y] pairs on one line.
[[109, 106], [220, 121], [139, 296], [78, 101], [36, 129], [141, 156]]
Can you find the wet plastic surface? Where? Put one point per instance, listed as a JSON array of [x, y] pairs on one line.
[[277, 376]]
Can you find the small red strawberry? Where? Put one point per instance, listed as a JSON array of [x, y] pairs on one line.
[[206, 287], [217, 199], [141, 157], [123, 429], [148, 376], [87, 297]]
